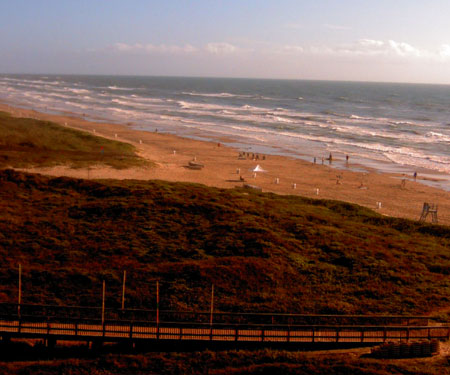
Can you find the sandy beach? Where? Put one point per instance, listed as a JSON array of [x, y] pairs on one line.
[[223, 167]]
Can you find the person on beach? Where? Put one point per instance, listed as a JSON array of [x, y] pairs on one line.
[[415, 176]]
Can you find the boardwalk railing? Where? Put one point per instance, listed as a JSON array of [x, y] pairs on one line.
[[119, 331], [84, 324], [80, 312]]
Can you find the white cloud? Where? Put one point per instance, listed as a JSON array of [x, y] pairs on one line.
[[390, 48], [444, 51], [369, 48], [405, 49], [220, 48], [336, 27], [152, 48], [210, 48], [293, 49]]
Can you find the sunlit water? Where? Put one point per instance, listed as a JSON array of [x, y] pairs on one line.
[[390, 127]]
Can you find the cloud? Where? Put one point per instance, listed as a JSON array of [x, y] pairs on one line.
[[405, 49], [220, 48], [362, 48], [152, 48], [336, 27], [389, 48], [292, 49], [444, 51]]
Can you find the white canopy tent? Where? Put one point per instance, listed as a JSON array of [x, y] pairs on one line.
[[258, 169]]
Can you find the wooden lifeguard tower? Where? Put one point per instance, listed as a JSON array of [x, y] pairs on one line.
[[429, 209]]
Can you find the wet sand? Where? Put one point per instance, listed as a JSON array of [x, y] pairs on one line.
[[171, 155]]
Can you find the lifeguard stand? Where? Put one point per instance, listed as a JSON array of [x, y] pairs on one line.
[[429, 209]]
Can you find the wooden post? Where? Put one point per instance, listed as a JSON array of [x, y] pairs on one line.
[[157, 310], [157, 303], [212, 306], [123, 289], [103, 304], [211, 313], [20, 290]]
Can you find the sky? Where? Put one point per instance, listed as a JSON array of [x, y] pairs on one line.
[[352, 40]]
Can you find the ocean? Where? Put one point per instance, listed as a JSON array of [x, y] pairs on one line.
[[388, 127]]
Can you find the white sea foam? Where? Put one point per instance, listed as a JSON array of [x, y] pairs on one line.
[[124, 112], [120, 88], [217, 95], [77, 91], [78, 105], [437, 136]]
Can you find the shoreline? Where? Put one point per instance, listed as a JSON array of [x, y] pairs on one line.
[[221, 165]]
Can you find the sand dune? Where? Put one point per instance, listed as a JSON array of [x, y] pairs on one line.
[[171, 155]]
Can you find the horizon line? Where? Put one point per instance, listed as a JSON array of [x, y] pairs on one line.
[[231, 78]]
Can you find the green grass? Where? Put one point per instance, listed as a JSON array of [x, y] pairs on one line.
[[263, 252], [26, 142]]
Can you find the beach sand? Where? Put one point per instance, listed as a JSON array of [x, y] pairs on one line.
[[171, 154]]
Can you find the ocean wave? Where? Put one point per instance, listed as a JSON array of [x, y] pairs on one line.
[[121, 88], [78, 105], [356, 117], [438, 136], [126, 112], [279, 119], [218, 95], [77, 91], [437, 163]]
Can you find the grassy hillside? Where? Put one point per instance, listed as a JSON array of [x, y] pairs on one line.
[[26, 142], [263, 252]]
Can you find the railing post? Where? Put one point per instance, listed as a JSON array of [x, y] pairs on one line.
[[429, 334], [384, 334], [123, 289], [103, 303], [76, 328], [337, 334], [407, 334], [236, 334], [211, 314], [288, 334], [362, 334], [262, 335], [20, 290], [313, 334]]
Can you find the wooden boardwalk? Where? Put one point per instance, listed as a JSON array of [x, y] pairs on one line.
[[119, 331], [79, 324]]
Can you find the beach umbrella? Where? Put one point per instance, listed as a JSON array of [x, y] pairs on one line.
[[258, 169]]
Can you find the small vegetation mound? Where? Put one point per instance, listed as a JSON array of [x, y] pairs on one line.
[[262, 252], [26, 142]]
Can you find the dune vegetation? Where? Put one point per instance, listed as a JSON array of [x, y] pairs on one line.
[[26, 142], [263, 252]]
